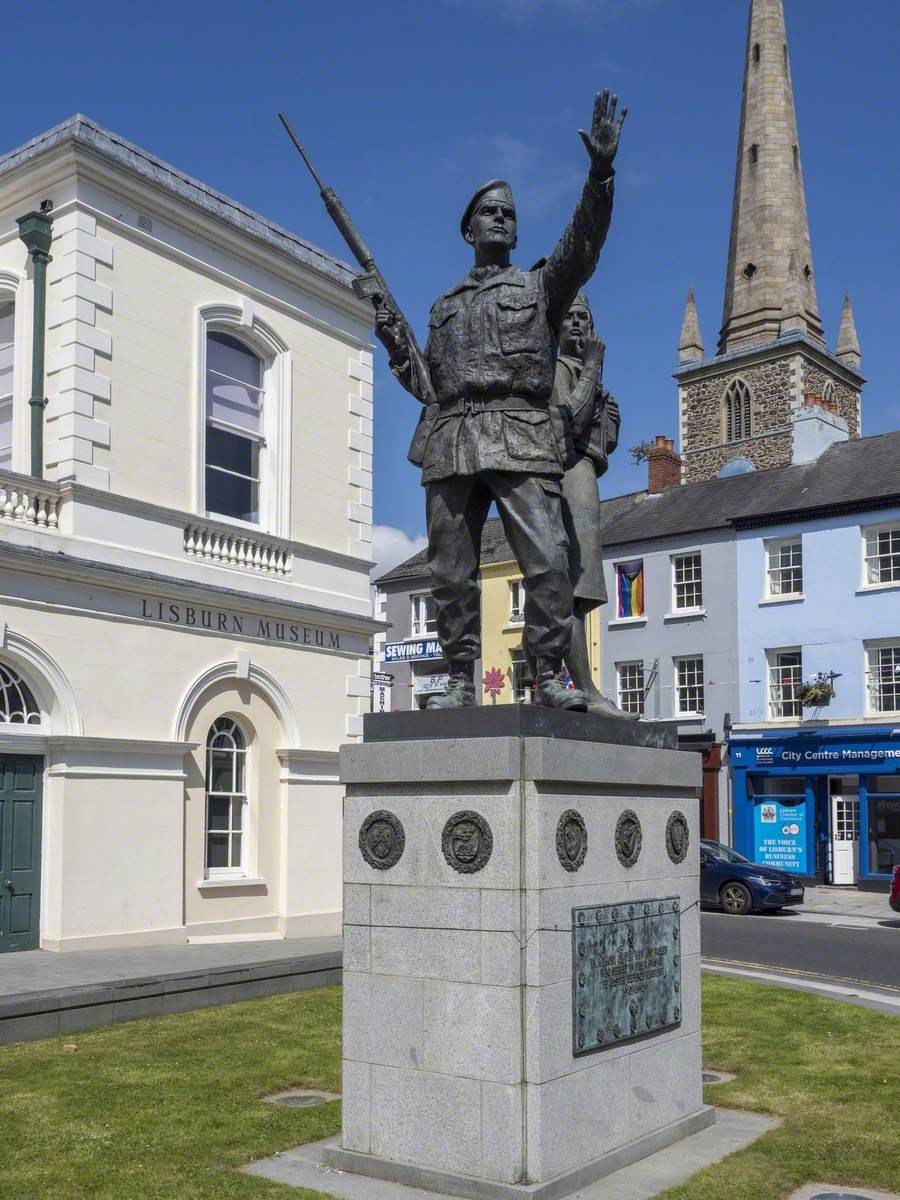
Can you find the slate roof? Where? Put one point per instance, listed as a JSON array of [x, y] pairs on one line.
[[88, 133], [850, 476]]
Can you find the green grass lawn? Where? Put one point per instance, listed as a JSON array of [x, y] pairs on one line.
[[165, 1109]]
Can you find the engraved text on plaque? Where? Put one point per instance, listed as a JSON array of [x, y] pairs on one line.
[[626, 972]]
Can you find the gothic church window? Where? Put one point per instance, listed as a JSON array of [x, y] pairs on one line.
[[737, 411], [17, 703], [829, 396]]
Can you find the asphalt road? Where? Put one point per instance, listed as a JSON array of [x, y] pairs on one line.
[[867, 953]]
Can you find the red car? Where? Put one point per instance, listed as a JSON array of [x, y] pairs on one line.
[[895, 890]]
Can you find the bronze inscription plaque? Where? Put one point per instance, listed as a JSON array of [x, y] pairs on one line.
[[626, 972]]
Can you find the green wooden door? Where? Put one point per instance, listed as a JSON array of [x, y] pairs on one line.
[[20, 851]]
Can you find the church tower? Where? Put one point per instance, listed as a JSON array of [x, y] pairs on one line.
[[772, 358]]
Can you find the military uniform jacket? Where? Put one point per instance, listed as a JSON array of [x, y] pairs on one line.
[[491, 352], [601, 436]]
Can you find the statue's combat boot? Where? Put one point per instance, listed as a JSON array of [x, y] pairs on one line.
[[605, 708], [460, 691], [551, 690]]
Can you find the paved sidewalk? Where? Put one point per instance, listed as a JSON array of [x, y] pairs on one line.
[[846, 902], [43, 993], [303, 1167]]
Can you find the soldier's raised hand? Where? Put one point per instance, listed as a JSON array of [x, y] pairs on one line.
[[603, 140]]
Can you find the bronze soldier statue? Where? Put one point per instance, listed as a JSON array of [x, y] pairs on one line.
[[595, 420], [489, 431]]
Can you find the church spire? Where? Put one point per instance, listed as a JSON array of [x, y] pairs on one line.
[[793, 308], [690, 345], [848, 350], [768, 222]]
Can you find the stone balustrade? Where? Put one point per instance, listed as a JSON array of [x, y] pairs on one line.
[[233, 549], [29, 501]]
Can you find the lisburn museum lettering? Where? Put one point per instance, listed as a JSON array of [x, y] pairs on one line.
[[194, 617]]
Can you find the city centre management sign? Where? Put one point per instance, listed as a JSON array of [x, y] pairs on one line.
[[818, 752]]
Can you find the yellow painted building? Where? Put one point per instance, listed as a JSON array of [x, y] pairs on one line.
[[502, 597]]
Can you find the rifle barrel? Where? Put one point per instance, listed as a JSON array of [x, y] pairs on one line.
[[290, 132]]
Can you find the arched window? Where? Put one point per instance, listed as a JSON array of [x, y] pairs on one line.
[[17, 703], [737, 411], [226, 798], [7, 325], [829, 396], [234, 427]]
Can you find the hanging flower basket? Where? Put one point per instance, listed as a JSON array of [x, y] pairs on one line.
[[817, 692]]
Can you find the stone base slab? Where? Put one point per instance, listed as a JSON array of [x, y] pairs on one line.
[[563, 1185], [516, 720], [305, 1166]]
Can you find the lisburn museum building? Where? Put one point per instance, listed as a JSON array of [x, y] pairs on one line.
[[185, 546]]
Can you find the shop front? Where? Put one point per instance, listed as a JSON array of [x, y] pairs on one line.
[[824, 804]]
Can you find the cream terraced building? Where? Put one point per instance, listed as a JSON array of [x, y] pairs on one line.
[[185, 618]]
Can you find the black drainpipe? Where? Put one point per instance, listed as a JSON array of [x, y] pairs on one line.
[[36, 232]]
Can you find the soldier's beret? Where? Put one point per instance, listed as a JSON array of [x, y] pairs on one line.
[[485, 187]]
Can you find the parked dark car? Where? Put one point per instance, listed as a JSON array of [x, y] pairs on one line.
[[895, 890], [733, 883]]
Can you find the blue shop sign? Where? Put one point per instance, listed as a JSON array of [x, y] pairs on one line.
[[825, 753], [412, 651], [779, 836]]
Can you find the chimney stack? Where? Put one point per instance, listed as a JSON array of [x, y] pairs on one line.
[[664, 465]]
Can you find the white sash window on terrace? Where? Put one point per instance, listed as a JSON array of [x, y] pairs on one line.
[[689, 689], [882, 555], [785, 670], [424, 615], [884, 678], [630, 677]]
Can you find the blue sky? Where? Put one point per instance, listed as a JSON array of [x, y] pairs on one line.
[[407, 105]]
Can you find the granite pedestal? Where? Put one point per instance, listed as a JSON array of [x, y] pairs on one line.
[[462, 867]]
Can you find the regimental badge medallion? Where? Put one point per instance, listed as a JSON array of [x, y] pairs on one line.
[[628, 838], [467, 842], [678, 837], [382, 840], [571, 839]]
